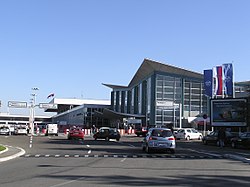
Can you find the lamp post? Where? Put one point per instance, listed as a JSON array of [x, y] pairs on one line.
[[32, 109]]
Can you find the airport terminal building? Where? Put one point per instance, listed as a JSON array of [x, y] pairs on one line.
[[160, 94]]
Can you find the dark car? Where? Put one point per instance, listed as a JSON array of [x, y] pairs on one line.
[[212, 138], [107, 133], [76, 133], [141, 131], [241, 141]]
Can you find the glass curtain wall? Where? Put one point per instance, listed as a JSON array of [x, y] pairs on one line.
[[168, 91], [148, 101], [195, 102]]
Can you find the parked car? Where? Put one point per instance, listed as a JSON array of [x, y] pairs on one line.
[[159, 139], [107, 133], [52, 129], [5, 130], [76, 133], [20, 131], [241, 141], [141, 131], [212, 138], [188, 134]]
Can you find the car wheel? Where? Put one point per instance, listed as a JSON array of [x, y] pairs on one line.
[[118, 139], [188, 138], [143, 148], [172, 151], [200, 138], [233, 145]]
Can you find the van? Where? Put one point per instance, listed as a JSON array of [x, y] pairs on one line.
[[51, 129]]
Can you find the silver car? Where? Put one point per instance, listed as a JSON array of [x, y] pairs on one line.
[[159, 139]]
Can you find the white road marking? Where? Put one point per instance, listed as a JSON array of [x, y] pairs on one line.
[[68, 182], [123, 159]]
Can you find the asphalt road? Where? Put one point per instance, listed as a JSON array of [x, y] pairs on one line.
[[56, 161]]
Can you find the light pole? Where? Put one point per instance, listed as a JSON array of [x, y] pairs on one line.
[[32, 109]]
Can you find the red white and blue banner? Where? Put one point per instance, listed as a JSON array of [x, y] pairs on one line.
[[219, 81], [218, 76]]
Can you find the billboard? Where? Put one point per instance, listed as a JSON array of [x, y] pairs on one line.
[[229, 112]]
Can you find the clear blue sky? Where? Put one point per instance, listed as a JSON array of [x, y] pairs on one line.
[[71, 47]]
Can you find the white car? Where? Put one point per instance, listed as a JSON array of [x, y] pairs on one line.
[[21, 131], [188, 134], [5, 130]]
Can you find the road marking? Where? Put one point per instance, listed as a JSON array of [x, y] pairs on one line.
[[68, 182], [123, 159], [31, 140]]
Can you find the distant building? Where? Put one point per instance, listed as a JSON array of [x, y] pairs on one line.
[[79, 112]]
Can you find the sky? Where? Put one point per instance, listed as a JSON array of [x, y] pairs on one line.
[[71, 47]]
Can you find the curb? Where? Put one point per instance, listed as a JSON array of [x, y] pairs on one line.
[[20, 153], [5, 150]]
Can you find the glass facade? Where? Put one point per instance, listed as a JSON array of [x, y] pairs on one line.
[[163, 99]]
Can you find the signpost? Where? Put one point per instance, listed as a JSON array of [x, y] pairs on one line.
[[17, 104], [48, 105]]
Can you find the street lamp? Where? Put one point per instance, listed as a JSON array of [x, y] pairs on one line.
[[32, 109]]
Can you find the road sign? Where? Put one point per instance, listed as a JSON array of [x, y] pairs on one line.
[[48, 105], [17, 104]]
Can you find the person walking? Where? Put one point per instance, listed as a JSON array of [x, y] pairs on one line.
[[221, 137]]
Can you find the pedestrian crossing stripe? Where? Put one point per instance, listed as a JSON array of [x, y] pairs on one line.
[[178, 156]]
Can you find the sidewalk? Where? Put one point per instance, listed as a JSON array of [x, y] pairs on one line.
[[11, 153]]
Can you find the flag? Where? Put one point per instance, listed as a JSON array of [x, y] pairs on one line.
[[208, 82], [51, 95], [218, 80], [228, 79]]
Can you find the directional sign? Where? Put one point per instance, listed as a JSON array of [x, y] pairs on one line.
[[17, 104], [48, 105]]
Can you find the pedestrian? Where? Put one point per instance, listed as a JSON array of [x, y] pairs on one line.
[[93, 129], [221, 137]]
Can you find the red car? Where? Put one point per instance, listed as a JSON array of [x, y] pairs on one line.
[[76, 133]]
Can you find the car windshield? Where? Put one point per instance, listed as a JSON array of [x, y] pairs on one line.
[[161, 133]]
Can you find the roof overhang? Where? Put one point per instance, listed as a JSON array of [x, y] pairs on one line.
[[110, 114]]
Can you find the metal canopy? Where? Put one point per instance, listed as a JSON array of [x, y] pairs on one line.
[[109, 114]]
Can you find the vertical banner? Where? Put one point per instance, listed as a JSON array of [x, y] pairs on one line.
[[220, 80], [215, 81], [228, 79], [208, 82]]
